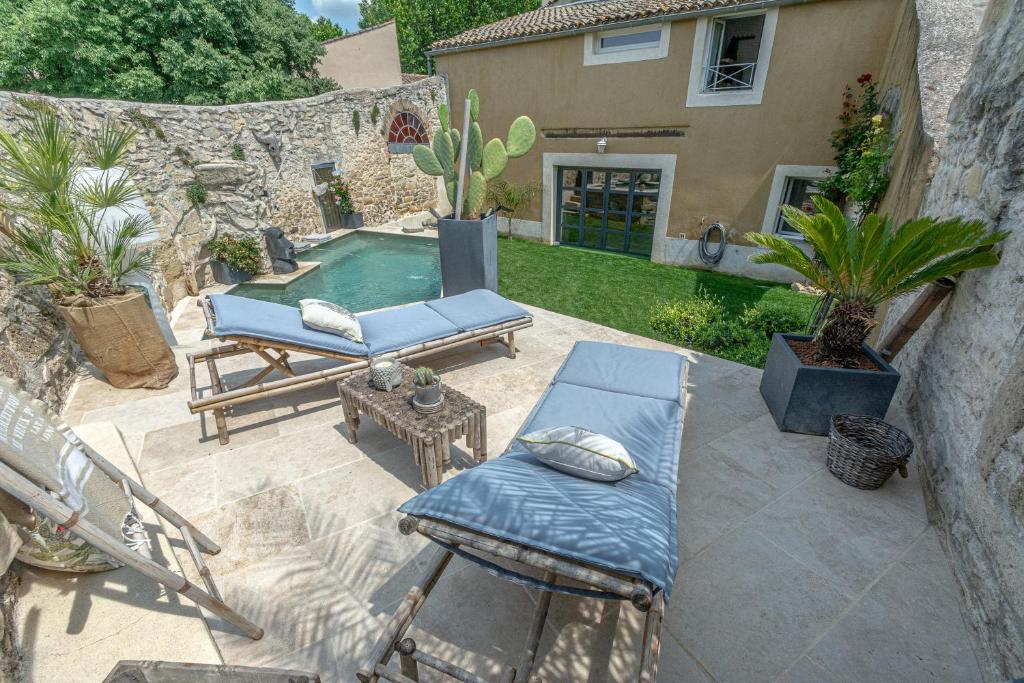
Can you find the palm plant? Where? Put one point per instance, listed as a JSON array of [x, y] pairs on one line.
[[862, 266], [511, 198], [66, 203]]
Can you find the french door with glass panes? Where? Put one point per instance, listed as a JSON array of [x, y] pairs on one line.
[[608, 208]]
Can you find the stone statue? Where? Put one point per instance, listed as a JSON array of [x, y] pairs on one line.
[[281, 251], [271, 142]]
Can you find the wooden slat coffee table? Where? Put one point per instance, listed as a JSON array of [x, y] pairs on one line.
[[430, 436]]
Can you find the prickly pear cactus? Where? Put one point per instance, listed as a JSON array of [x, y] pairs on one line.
[[485, 161]]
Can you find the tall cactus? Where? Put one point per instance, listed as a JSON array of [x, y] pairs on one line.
[[485, 162]]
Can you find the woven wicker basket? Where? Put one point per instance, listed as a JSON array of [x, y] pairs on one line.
[[864, 451]]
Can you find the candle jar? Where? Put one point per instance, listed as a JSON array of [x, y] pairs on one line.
[[385, 374]]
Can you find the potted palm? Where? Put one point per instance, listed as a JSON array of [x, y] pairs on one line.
[[74, 223], [468, 239], [234, 259], [807, 379]]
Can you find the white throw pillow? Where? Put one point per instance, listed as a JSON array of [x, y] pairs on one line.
[[331, 318], [580, 452]]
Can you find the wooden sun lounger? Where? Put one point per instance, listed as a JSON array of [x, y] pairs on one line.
[[276, 356], [560, 574], [454, 539]]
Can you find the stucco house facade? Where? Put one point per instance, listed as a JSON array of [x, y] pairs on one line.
[[657, 119], [365, 59]]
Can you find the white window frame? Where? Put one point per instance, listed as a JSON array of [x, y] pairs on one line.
[[593, 54], [695, 96], [783, 174]]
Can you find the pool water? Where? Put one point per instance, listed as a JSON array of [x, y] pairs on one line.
[[362, 272]]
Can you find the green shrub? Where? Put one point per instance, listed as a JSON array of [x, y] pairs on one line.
[[768, 319], [237, 153], [703, 323], [355, 121], [196, 193], [695, 323], [241, 253]]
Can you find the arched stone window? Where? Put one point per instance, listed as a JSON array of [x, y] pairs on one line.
[[405, 132]]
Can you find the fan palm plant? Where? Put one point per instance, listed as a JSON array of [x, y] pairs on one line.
[[864, 265], [68, 223]]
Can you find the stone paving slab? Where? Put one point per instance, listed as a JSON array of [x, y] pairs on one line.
[[786, 573]]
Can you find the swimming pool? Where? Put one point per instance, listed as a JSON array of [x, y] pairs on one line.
[[362, 271]]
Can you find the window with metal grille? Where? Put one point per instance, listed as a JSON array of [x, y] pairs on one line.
[[733, 51]]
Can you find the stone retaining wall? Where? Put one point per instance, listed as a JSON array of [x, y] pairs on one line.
[[963, 372], [181, 145], [249, 185]]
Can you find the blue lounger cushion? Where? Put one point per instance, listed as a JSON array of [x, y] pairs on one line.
[[625, 369], [477, 309], [239, 316], [397, 328], [383, 331], [628, 526]]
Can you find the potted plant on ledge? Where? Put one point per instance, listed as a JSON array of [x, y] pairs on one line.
[[73, 223], [808, 379], [234, 259], [468, 240], [341, 189]]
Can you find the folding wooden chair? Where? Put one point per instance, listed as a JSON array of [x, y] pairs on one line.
[[36, 452]]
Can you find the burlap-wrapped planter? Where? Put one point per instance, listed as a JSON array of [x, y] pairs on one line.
[[120, 336]]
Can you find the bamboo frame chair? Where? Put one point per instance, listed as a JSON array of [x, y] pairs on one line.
[[454, 539], [36, 495], [276, 356]]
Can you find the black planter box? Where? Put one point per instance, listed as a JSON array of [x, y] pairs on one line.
[[469, 254], [226, 275], [352, 220], [802, 398]]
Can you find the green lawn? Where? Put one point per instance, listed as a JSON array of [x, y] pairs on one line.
[[621, 291]]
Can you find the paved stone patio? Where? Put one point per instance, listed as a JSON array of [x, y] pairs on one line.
[[786, 574]]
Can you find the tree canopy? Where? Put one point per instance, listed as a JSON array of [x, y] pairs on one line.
[[190, 51], [421, 22], [325, 29]]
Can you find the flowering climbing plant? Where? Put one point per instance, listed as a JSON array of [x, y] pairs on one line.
[[864, 145], [341, 192]]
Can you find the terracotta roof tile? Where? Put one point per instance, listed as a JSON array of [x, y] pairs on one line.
[[559, 18]]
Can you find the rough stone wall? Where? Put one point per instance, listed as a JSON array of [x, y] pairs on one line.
[[36, 346], [932, 45], [180, 145], [963, 372]]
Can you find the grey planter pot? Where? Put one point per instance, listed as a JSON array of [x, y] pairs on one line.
[[428, 396], [352, 220], [226, 275], [802, 398], [469, 254]]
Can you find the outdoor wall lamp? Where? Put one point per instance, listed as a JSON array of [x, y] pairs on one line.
[[601, 145]]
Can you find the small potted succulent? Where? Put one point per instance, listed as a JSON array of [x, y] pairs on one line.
[[341, 190], [427, 384], [235, 259]]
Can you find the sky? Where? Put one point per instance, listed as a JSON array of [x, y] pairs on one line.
[[345, 13]]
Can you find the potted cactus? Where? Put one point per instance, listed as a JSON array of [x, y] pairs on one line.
[[469, 238], [427, 384]]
